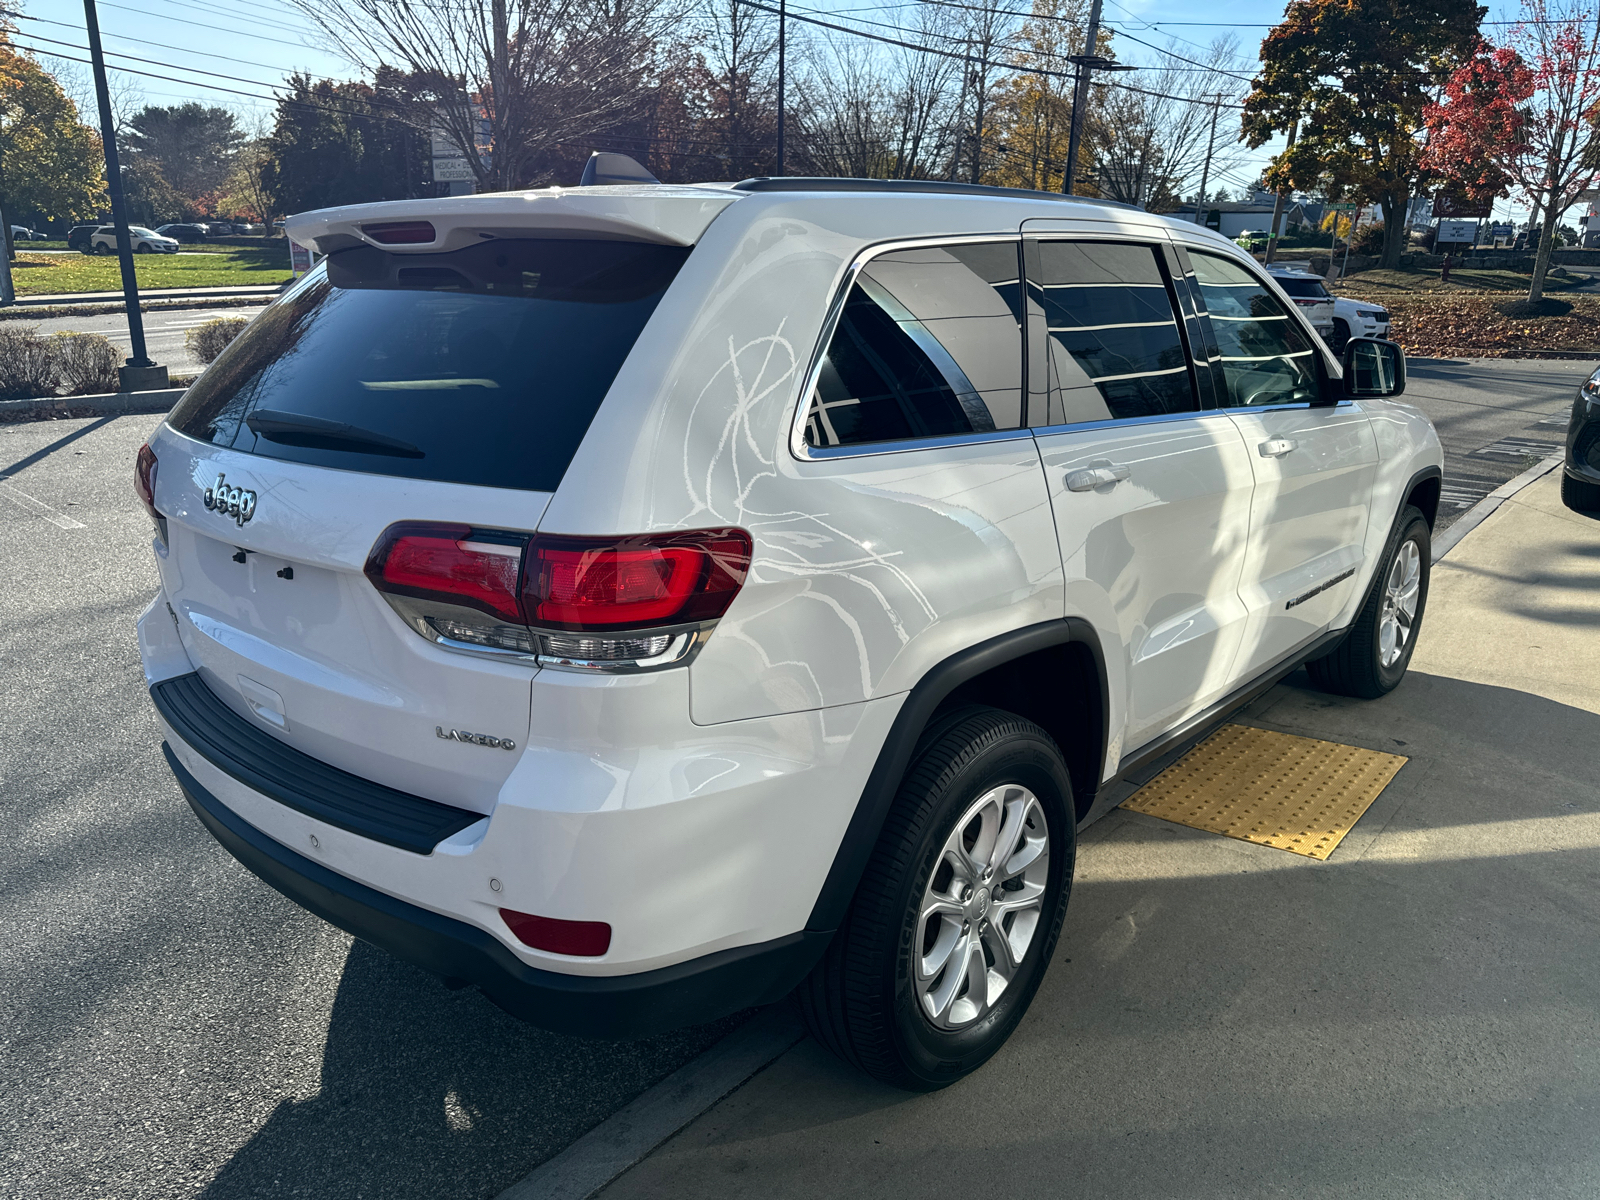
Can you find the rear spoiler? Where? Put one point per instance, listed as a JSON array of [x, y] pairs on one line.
[[662, 213]]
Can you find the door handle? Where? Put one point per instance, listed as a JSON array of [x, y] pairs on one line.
[[1086, 479], [1276, 447]]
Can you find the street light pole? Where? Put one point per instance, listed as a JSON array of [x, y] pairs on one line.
[[783, 13], [140, 374]]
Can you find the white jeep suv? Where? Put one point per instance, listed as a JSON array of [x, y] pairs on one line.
[[637, 601]]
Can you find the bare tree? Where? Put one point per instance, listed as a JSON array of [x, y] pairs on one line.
[[541, 72], [987, 30], [740, 66]]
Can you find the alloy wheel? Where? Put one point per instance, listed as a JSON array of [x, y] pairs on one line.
[[982, 907], [1402, 589]]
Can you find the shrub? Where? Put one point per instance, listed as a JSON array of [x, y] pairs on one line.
[[207, 341], [86, 362], [1369, 239], [27, 363]]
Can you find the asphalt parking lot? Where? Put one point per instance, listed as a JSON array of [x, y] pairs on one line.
[[172, 1027]]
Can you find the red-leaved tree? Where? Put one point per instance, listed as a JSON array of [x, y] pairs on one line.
[[1524, 116]]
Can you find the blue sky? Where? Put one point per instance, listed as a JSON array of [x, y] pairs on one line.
[[248, 46]]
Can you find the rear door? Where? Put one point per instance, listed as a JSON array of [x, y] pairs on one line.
[[385, 388], [1151, 493], [1314, 464]]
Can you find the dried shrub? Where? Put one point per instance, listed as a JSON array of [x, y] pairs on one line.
[[27, 363], [207, 341], [86, 362]]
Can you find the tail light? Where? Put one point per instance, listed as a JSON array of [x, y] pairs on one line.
[[587, 939], [616, 604], [144, 486]]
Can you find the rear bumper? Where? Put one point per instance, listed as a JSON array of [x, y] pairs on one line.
[[602, 1006]]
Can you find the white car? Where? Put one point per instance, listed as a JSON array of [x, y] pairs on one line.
[[21, 233], [145, 241], [1310, 294], [641, 601], [1357, 318]]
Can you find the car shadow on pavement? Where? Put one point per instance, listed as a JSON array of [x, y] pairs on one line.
[[429, 1092]]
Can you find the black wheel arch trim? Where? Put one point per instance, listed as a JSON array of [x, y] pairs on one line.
[[635, 1005], [895, 755]]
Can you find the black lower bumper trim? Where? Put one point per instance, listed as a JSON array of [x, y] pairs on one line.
[[597, 1006]]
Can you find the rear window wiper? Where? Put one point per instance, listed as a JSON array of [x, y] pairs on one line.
[[299, 429]]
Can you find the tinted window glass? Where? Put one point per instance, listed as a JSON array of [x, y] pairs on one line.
[[1304, 289], [1266, 359], [482, 366], [929, 345], [1114, 347]]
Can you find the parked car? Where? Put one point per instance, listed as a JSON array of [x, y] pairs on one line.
[[145, 241], [219, 228], [1357, 318], [1253, 239], [21, 233], [1310, 295], [686, 594], [78, 237], [183, 232], [1580, 476]]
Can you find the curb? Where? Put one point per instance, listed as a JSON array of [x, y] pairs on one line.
[[628, 1135], [101, 308], [1480, 512], [103, 404]]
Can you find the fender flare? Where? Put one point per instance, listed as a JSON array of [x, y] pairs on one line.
[[877, 797]]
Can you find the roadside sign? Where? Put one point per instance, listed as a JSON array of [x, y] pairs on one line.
[[1344, 207], [1457, 231], [1454, 204], [301, 259], [1214, 219], [1502, 231]]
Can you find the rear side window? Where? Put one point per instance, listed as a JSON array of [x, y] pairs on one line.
[[482, 366], [1266, 359], [929, 344], [1114, 348]]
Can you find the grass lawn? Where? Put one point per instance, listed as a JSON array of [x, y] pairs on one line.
[[44, 274], [1378, 284]]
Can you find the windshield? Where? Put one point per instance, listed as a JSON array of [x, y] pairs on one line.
[[482, 366], [141, 231]]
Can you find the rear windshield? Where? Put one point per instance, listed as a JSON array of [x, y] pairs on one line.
[[1302, 289], [482, 366]]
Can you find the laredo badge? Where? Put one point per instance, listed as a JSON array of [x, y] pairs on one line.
[[477, 739]]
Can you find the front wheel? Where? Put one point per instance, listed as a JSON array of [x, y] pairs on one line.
[[1340, 335], [1372, 658], [958, 912], [1579, 494]]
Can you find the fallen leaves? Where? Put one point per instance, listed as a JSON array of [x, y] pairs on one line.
[[1457, 325]]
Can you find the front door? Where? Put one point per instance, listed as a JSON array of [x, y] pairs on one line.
[[1314, 464], [1151, 495]]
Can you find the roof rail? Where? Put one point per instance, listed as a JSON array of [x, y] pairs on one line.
[[822, 183]]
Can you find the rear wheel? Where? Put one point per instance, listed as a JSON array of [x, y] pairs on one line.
[[959, 909], [1579, 494], [1373, 657]]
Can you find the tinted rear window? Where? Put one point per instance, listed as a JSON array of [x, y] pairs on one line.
[[481, 366], [1304, 289]]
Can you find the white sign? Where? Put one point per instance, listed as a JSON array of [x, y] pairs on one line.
[[1457, 231], [451, 170], [301, 259]]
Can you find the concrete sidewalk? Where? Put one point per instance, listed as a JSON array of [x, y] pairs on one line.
[[1418, 1016]]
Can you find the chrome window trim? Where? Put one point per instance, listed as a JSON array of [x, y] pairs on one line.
[[797, 427], [1128, 422]]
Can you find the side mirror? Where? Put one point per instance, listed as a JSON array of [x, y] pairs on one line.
[[1373, 367]]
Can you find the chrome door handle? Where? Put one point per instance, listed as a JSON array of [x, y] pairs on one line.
[[1276, 447], [1086, 479]]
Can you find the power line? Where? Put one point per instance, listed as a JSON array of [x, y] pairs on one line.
[[152, 62], [211, 10], [199, 24], [122, 37]]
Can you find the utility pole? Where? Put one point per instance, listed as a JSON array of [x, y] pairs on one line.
[[1087, 63], [1205, 171], [140, 374], [500, 80], [783, 13], [1277, 204]]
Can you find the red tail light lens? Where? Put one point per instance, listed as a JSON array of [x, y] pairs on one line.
[[447, 562], [586, 939], [584, 584], [400, 233], [144, 480]]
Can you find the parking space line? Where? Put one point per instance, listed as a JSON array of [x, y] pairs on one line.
[[37, 507]]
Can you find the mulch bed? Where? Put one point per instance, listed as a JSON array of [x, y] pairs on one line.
[[1472, 325]]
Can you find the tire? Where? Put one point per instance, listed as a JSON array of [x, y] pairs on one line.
[[142, 248], [1579, 494], [1341, 335], [1372, 658], [870, 1000]]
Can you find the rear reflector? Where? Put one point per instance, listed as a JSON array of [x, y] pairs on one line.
[[585, 939], [400, 233]]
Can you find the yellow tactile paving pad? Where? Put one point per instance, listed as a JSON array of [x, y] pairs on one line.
[[1274, 789]]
